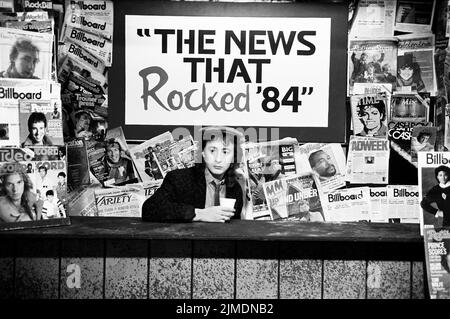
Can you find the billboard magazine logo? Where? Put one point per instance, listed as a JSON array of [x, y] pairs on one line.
[[249, 135], [10, 93]]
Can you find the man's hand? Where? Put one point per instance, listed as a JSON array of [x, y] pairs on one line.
[[217, 214]]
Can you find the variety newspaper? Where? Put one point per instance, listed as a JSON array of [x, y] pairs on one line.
[[295, 198], [369, 114], [374, 18], [415, 64], [144, 156], [327, 161], [268, 161], [372, 65], [437, 261], [368, 160], [43, 43], [120, 201], [348, 204], [434, 190]]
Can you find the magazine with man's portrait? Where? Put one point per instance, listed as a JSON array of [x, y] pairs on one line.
[[31, 190]]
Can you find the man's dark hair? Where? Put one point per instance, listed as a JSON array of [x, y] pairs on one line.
[[379, 105], [49, 193], [36, 117], [22, 45], [313, 156], [442, 168], [61, 174], [422, 134], [42, 167], [111, 142], [78, 115]]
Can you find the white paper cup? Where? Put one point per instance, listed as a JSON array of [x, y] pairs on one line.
[[227, 202]]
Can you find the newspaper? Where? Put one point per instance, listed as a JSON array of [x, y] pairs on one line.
[[268, 161], [97, 45], [78, 54], [9, 123], [437, 261], [121, 201], [374, 18], [40, 122], [415, 64], [347, 204], [36, 62], [372, 65], [414, 15], [295, 197], [434, 190], [378, 204], [77, 164], [423, 139], [151, 187], [368, 160], [403, 201], [369, 114], [327, 161], [144, 156], [91, 16], [81, 201], [168, 157]]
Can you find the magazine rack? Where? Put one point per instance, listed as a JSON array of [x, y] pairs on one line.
[[99, 257]]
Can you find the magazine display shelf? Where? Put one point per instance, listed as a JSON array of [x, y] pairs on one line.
[[98, 257]]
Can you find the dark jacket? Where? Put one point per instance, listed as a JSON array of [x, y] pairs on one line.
[[181, 192], [440, 196]]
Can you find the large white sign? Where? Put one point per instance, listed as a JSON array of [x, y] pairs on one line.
[[237, 71]]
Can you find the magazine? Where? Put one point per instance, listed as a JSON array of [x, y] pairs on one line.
[[403, 201], [120, 201], [77, 164], [368, 160], [369, 114], [423, 139], [414, 15], [268, 161], [374, 18], [36, 60], [378, 204], [327, 161], [40, 122], [81, 201], [415, 64], [347, 204], [79, 55], [168, 157], [9, 123], [372, 65], [144, 156], [15, 89], [295, 197], [45, 26], [434, 190], [437, 261], [409, 108]]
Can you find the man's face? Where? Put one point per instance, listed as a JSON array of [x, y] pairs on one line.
[[218, 156], [303, 206], [371, 118], [424, 138], [38, 131], [42, 172], [83, 122], [364, 58], [442, 177], [14, 185], [113, 152], [61, 179], [405, 73], [323, 165], [50, 198], [25, 63]]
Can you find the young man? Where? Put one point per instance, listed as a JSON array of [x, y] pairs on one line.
[[192, 194], [52, 207], [321, 163], [44, 182], [23, 58], [37, 130], [119, 168]]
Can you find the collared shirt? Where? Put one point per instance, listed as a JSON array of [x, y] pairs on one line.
[[210, 188]]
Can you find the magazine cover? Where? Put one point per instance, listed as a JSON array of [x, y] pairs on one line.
[[369, 114], [40, 122], [45, 26], [295, 197], [78, 54], [371, 61], [414, 15], [25, 54], [77, 164], [403, 202], [21, 203], [423, 139], [168, 158], [81, 201], [143, 156], [415, 64], [120, 201], [347, 205], [434, 190], [9, 123], [378, 204], [266, 162], [368, 160], [409, 108], [326, 161], [91, 16], [437, 261], [374, 18]]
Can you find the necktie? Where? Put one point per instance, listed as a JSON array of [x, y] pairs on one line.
[[216, 193]]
